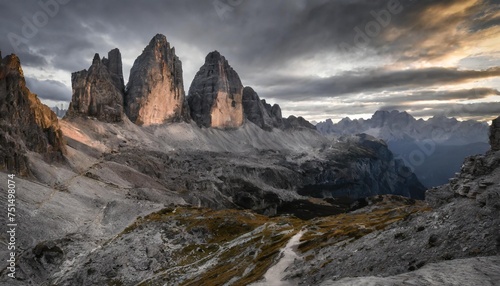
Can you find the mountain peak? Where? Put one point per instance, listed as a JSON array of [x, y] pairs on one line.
[[98, 92], [215, 55], [12, 64], [96, 60], [158, 38], [115, 68], [155, 90], [215, 95]]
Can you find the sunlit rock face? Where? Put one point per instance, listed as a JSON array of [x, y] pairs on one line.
[[155, 91], [25, 123], [98, 91], [215, 96]]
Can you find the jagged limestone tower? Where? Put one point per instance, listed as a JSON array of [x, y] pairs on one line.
[[260, 112], [155, 91], [98, 92], [215, 96]]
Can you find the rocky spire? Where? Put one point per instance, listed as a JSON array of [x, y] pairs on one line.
[[114, 65], [155, 91], [98, 92], [25, 123], [260, 112], [215, 95], [495, 134]]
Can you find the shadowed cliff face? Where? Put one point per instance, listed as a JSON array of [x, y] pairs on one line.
[[215, 96], [259, 112], [25, 123], [114, 65], [98, 92], [495, 134], [155, 91]]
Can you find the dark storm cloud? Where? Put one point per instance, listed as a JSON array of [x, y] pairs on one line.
[[296, 88], [49, 89], [488, 18], [398, 29], [328, 110], [253, 34], [464, 94], [426, 95], [81, 28]]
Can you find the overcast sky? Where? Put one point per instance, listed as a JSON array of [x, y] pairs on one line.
[[318, 59]]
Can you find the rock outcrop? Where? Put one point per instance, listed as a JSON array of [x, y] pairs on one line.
[[25, 123], [114, 65], [260, 112], [268, 117], [293, 122], [98, 92], [495, 134], [155, 91], [215, 95]]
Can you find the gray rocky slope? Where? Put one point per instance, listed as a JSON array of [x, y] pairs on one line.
[[118, 172], [77, 219]]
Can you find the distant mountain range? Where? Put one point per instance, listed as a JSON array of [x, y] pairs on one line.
[[60, 112], [434, 148]]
